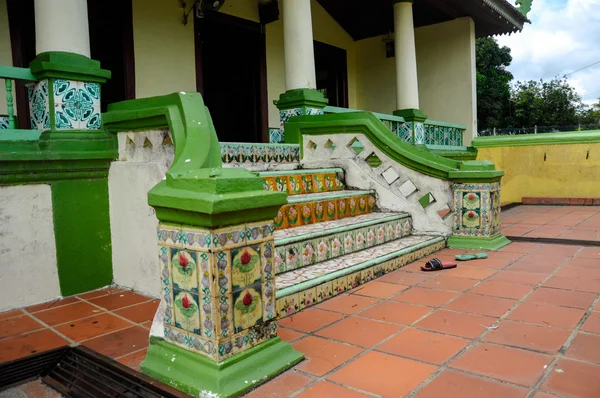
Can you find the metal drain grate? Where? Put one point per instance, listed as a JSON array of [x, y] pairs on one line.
[[81, 372]]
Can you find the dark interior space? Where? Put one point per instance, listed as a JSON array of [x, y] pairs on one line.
[[332, 73]]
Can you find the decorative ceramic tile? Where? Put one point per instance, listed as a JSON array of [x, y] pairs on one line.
[[4, 123], [240, 154], [186, 309], [245, 267], [477, 209], [276, 136], [76, 105], [39, 105], [229, 237], [184, 270], [443, 135], [418, 133], [405, 132]]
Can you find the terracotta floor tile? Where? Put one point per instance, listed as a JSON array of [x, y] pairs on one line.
[[19, 325], [589, 252], [570, 271], [504, 363], [26, 344], [10, 314], [348, 303], [429, 297], [518, 229], [456, 323], [120, 343], [486, 263], [533, 337], [563, 298], [449, 283], [559, 250], [549, 315], [326, 389], [501, 289], [119, 300], [582, 285], [453, 384], [51, 304], [532, 266], [288, 334], [134, 360], [322, 356], [404, 278], [425, 346], [359, 331], [383, 374], [282, 386], [585, 347], [147, 324], [390, 311], [546, 231], [310, 320], [85, 329], [521, 278], [541, 394], [579, 235], [140, 312], [576, 379], [100, 293], [482, 305], [379, 289], [593, 263], [592, 324], [67, 313], [470, 272]]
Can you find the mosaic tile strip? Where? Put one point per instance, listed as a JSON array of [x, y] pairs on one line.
[[293, 303], [276, 136], [39, 105], [245, 154], [442, 135], [405, 132], [296, 255], [299, 184], [317, 211], [418, 133], [477, 209], [218, 286]]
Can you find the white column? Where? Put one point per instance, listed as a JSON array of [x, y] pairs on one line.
[[298, 45], [407, 87], [62, 25]]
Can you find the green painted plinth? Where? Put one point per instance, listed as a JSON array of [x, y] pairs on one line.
[[495, 242], [200, 376]]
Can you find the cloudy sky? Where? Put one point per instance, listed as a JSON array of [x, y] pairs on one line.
[[564, 36]]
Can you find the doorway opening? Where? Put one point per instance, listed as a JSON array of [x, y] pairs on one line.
[[331, 67]]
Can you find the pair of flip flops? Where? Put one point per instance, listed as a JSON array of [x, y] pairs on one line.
[[437, 265]]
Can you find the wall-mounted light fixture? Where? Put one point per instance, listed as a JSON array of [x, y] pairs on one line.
[[390, 48], [200, 6]]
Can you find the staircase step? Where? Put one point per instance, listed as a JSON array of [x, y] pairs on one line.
[[311, 285], [298, 182], [309, 244], [315, 208]]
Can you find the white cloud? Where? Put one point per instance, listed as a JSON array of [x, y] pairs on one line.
[[563, 36]]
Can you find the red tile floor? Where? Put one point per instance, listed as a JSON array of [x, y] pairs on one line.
[[523, 323], [564, 222]]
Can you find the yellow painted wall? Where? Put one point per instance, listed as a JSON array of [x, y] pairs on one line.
[[164, 48], [565, 173], [5, 53], [446, 68]]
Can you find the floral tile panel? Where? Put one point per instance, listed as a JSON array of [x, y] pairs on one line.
[[299, 184], [240, 154], [310, 251], [295, 302], [477, 209]]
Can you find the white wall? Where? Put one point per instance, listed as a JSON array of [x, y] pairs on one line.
[[28, 272], [141, 165]]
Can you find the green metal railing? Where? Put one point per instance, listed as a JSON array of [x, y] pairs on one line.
[[442, 133], [10, 73], [391, 121]]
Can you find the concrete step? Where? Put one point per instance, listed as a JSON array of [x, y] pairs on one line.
[[304, 287], [298, 182], [307, 209], [309, 244]]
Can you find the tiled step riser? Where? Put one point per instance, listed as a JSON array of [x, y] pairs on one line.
[[293, 303], [299, 184], [298, 214], [301, 254]]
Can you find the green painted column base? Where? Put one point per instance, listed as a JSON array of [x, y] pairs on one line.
[[495, 242], [200, 376]]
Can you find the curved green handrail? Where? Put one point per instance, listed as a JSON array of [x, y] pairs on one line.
[[413, 157]]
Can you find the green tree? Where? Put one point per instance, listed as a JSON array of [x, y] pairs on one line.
[[493, 88]]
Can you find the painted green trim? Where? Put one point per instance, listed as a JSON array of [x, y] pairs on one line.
[[350, 270], [19, 135], [418, 159], [380, 116], [313, 197], [198, 376], [444, 124], [411, 115], [336, 230], [12, 72], [196, 190], [69, 66], [299, 172], [495, 242], [302, 97], [82, 235], [564, 138], [454, 152]]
